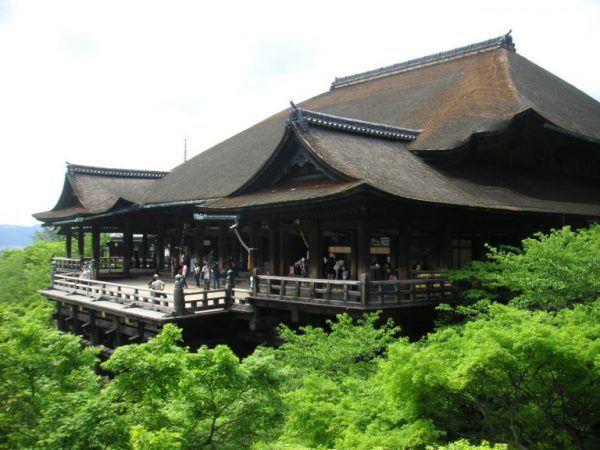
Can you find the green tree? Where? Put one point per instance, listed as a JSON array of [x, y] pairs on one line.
[[39, 368], [529, 379], [550, 272], [207, 399], [326, 378]]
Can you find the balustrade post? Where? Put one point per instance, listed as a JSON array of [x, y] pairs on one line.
[[94, 269], [365, 288], [254, 286], [228, 290], [178, 296], [52, 272]]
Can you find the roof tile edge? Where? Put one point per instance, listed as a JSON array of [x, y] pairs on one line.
[[305, 117], [504, 41], [73, 169]]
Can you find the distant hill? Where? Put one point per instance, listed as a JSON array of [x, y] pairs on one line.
[[17, 236]]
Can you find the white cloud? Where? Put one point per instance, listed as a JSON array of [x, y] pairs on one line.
[[122, 83]]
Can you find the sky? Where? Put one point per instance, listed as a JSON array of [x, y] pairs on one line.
[[125, 83]]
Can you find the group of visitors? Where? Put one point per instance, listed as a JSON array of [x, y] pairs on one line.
[[205, 272], [335, 269], [383, 271]]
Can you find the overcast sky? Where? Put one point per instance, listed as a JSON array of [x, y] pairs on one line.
[[123, 83]]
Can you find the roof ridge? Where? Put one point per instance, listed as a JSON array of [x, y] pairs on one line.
[[305, 117], [504, 41], [73, 169]]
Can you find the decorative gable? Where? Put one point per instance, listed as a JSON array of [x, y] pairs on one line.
[[293, 162]]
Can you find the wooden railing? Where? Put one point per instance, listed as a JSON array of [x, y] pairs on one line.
[[348, 293], [106, 264], [353, 292], [111, 263], [308, 288], [239, 299], [398, 291], [68, 264], [145, 298]]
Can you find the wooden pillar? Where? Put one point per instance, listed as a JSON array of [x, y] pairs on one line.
[[127, 247], [284, 252], [61, 324], [394, 249], [445, 248], [315, 244], [160, 248], [273, 249], [176, 239], [117, 332], [354, 273], [93, 329], [199, 239], [404, 251], [75, 325], [222, 256], [80, 243], [69, 242], [96, 244], [144, 249], [363, 244], [255, 256]]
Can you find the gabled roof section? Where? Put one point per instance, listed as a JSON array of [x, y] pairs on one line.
[[292, 162], [90, 190], [504, 41]]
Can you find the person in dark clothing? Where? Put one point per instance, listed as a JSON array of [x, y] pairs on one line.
[[216, 275]]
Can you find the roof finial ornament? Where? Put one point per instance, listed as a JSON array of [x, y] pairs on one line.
[[507, 42], [296, 117]]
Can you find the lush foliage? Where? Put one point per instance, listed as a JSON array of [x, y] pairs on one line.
[[550, 272], [523, 374]]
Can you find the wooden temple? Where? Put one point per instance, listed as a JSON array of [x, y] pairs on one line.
[[351, 201]]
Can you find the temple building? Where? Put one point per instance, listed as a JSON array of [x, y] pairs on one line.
[[355, 199]]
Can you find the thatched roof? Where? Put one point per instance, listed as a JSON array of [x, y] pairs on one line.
[[95, 190], [447, 98], [378, 129]]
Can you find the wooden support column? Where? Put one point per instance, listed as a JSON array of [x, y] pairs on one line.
[[315, 244], [222, 256], [160, 248], [127, 247], [445, 248], [60, 318], [284, 251], [175, 241], [254, 257], [93, 329], [75, 325], [80, 243], [394, 256], [273, 249], [69, 242], [404, 251], [96, 244], [117, 332], [199, 240], [363, 246], [354, 274], [144, 249]]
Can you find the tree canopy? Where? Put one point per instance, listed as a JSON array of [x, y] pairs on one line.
[[519, 371]]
